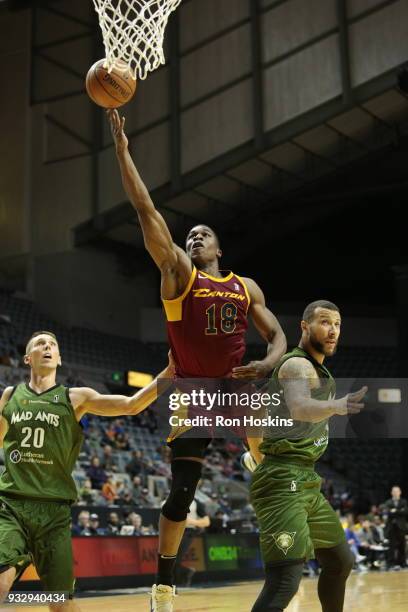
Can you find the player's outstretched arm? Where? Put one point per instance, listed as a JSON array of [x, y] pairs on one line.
[[269, 328], [298, 377], [202, 522], [158, 240], [3, 423], [85, 399]]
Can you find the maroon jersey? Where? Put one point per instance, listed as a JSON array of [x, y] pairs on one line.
[[207, 324]]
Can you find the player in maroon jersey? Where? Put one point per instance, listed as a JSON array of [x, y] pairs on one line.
[[206, 313]]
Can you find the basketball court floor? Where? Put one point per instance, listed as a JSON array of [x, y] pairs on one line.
[[373, 592]]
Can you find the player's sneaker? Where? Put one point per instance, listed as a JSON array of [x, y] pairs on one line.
[[162, 598], [248, 462], [189, 578]]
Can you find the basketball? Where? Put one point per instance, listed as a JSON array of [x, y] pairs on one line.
[[110, 89]]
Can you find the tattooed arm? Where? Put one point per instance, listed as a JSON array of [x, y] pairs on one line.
[[298, 378]]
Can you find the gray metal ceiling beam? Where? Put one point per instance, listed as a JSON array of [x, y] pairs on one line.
[[250, 189], [344, 50], [218, 35], [345, 137], [62, 41], [216, 92], [33, 32], [146, 128], [389, 126], [58, 160], [257, 76], [58, 97], [300, 48], [371, 11], [293, 175], [274, 5], [37, 50], [175, 102], [310, 153], [64, 15], [220, 204], [61, 65], [97, 135], [64, 128]]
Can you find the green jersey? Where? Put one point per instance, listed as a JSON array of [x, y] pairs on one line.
[[304, 442], [41, 445]]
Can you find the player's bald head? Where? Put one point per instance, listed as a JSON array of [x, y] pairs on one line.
[[203, 228]]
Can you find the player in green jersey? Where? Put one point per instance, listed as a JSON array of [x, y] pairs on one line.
[[42, 437], [296, 522]]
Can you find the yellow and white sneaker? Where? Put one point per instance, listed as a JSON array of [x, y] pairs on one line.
[[162, 598], [248, 462]]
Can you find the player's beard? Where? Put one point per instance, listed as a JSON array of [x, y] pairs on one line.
[[319, 347]]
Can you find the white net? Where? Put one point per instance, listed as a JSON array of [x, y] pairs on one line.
[[133, 31]]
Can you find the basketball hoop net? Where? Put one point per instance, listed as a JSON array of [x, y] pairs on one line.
[[133, 31]]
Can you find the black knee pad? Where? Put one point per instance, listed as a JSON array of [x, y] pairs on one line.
[[338, 560], [186, 474], [281, 585]]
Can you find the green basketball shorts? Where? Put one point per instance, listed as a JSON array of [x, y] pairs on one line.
[[38, 532], [294, 517]]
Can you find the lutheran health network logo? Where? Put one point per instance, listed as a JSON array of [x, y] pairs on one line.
[[15, 456]]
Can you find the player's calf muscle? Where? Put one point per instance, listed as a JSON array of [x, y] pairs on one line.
[[6, 581]]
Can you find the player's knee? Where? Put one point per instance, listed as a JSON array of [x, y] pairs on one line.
[[186, 475], [281, 585], [177, 504], [338, 560]]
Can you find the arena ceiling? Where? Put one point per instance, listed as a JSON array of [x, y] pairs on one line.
[[287, 184], [288, 177]]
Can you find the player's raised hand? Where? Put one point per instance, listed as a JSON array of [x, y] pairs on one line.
[[351, 403], [254, 370], [117, 125]]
